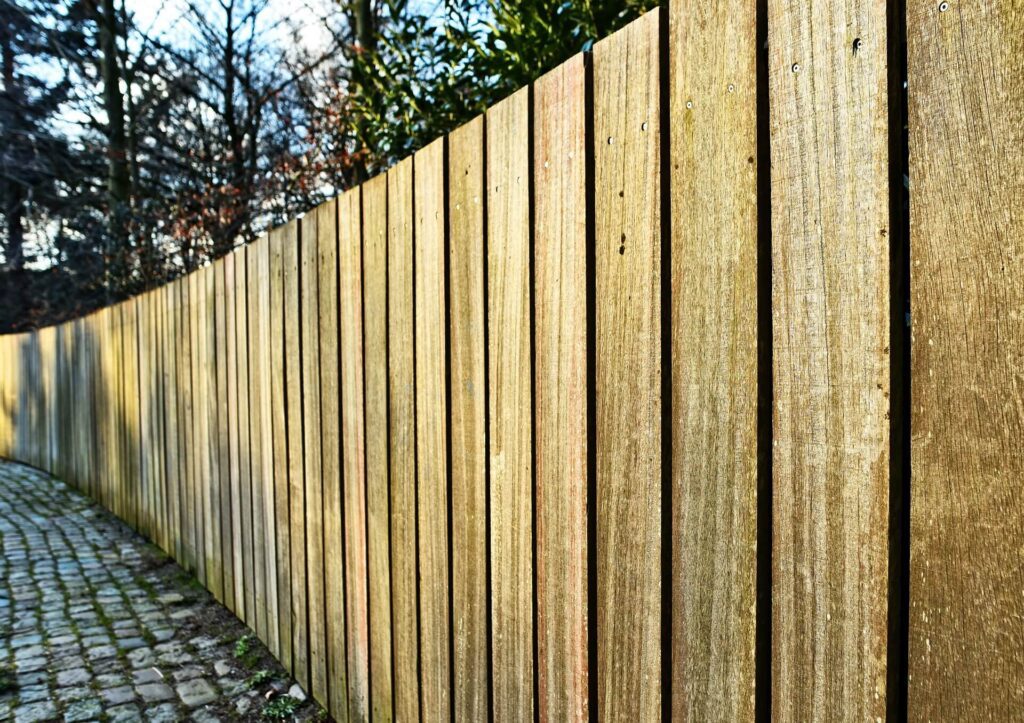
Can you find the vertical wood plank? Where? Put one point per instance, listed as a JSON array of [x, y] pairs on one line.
[[966, 112], [353, 452], [402, 441], [196, 315], [468, 422], [330, 432], [260, 358], [257, 345], [627, 139], [311, 371], [188, 514], [211, 499], [224, 371], [234, 473], [431, 430], [714, 358], [279, 413], [296, 478], [375, 220], [510, 395], [830, 308], [172, 338], [244, 448], [560, 371]]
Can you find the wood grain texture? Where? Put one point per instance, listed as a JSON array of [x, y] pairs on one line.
[[170, 339], [279, 414], [431, 431], [312, 237], [353, 452], [560, 373], [714, 358], [257, 345], [223, 310], [245, 459], [467, 308], [187, 338], [510, 399], [830, 310], [966, 112], [296, 479], [402, 442], [260, 357], [330, 433], [375, 344], [197, 312], [628, 253], [211, 490], [234, 484]]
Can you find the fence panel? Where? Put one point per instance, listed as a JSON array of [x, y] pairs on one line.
[[402, 442], [466, 311], [628, 384], [830, 305], [966, 62]]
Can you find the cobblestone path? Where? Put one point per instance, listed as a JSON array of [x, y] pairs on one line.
[[97, 624]]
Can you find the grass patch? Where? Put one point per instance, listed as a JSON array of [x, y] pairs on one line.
[[245, 650], [280, 708], [259, 678]]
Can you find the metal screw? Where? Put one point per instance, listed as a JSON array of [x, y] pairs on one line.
[[689, 104], [796, 67], [610, 140], [943, 7], [643, 126], [731, 87]]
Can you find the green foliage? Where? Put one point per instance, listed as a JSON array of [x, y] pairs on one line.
[[244, 646], [281, 708], [259, 678], [431, 73]]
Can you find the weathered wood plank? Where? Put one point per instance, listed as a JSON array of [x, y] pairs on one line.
[[244, 448], [830, 309], [402, 442], [510, 422], [296, 478], [234, 484], [257, 390], [196, 291], [375, 249], [171, 340], [311, 370], [966, 113], [187, 425], [431, 430], [211, 492], [330, 432], [628, 253], [279, 410], [714, 358], [222, 312], [560, 373], [353, 452], [468, 422], [260, 357]]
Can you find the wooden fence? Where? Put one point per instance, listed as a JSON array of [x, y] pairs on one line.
[[608, 403]]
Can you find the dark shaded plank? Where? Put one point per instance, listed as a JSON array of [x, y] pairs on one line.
[[966, 106], [628, 352], [468, 421], [560, 373]]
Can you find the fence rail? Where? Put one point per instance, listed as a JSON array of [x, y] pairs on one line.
[[608, 402]]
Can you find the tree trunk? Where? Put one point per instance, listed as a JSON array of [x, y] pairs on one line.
[[14, 198]]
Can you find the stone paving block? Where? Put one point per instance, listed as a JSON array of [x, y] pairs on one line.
[[117, 696], [147, 675], [74, 676], [196, 692], [83, 710], [124, 714], [35, 712], [155, 692], [163, 713]]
